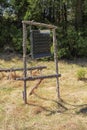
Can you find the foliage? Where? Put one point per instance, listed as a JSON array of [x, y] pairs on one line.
[[81, 74], [73, 44], [69, 16]]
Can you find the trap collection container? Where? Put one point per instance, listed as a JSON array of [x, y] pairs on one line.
[[40, 43]]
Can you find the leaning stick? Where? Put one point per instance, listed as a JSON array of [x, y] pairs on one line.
[[35, 87]]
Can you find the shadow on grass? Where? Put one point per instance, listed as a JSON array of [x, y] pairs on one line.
[[57, 107], [10, 56], [78, 109], [78, 61], [60, 106], [83, 110], [85, 80]]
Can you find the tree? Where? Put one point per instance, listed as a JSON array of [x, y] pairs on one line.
[[70, 16], [79, 13]]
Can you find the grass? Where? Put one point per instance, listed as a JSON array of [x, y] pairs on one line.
[[43, 111], [81, 74]]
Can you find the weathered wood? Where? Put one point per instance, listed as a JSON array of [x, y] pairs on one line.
[[24, 60], [35, 87], [39, 77], [39, 24], [56, 62], [25, 78], [21, 69]]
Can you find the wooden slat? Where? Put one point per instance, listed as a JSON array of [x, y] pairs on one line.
[[21, 69], [39, 77]]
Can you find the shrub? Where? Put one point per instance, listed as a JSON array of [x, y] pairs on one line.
[[81, 74]]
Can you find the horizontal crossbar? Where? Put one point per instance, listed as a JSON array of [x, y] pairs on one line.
[[20, 69], [39, 77], [39, 24]]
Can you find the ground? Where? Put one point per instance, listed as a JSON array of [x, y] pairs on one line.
[[44, 111]]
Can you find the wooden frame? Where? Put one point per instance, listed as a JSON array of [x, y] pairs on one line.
[[53, 28]]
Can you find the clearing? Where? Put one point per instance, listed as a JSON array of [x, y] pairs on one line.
[[43, 112]]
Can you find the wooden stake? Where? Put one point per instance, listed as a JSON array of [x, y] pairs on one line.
[[24, 60], [35, 87], [56, 62]]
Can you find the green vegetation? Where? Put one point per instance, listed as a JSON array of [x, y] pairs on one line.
[[81, 74], [69, 16]]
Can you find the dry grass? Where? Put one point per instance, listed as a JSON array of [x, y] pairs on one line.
[[43, 111]]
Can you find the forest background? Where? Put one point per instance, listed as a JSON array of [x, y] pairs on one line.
[[70, 16]]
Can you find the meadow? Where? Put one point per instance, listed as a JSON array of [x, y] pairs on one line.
[[43, 110]]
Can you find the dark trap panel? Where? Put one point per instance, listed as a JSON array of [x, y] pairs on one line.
[[40, 43]]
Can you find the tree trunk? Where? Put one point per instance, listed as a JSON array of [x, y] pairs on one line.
[[79, 14]]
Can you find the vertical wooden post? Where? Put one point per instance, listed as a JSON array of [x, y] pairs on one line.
[[24, 61], [56, 62]]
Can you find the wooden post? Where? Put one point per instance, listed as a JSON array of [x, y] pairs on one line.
[[56, 62], [24, 60]]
